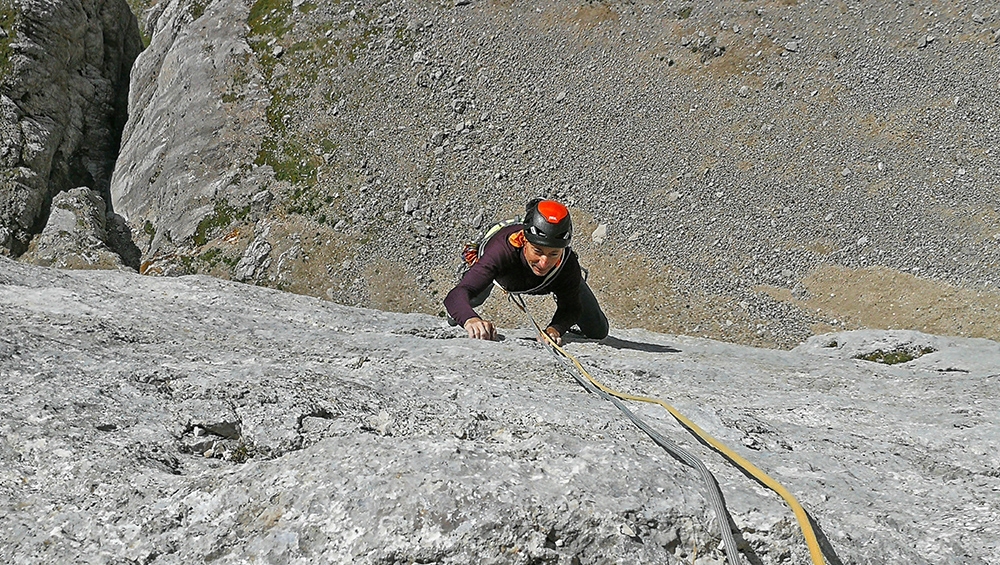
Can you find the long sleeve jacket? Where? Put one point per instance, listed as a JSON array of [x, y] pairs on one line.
[[502, 260]]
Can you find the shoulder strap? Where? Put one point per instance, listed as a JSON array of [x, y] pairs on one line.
[[494, 229], [471, 252]]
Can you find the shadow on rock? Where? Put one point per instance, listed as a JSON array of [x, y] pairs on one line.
[[120, 240], [626, 344]]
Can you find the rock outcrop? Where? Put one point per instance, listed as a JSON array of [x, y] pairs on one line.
[[186, 420], [79, 234], [63, 104], [196, 105]]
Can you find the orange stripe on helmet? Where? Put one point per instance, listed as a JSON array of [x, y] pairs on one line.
[[552, 211]]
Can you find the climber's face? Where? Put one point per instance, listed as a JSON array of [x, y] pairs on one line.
[[542, 259]]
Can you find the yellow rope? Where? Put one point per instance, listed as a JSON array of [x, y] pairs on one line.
[[800, 514]]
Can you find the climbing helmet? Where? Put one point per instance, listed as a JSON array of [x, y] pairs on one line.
[[547, 223]]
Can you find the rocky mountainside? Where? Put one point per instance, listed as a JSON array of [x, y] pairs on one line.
[[190, 419], [754, 172], [64, 79], [770, 174], [757, 172]]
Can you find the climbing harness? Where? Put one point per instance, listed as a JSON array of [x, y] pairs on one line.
[[715, 494]]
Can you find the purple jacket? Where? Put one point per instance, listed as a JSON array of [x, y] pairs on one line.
[[502, 260]]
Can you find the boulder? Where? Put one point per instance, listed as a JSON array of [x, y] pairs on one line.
[[80, 235]]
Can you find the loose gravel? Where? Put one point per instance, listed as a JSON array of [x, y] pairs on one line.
[[729, 150]]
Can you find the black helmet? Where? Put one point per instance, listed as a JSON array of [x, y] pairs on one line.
[[547, 223]]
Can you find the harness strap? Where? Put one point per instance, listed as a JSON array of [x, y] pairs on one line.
[[471, 255], [471, 252], [548, 278]]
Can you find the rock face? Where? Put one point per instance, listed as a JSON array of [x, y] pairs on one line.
[[80, 235], [748, 162], [187, 420], [196, 103], [63, 93]]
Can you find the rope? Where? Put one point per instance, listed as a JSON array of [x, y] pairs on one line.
[[815, 553], [714, 492]]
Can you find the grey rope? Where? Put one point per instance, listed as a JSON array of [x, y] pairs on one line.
[[714, 492]]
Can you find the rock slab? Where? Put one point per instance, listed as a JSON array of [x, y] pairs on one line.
[[181, 420]]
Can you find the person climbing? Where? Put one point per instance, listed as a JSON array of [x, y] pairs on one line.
[[531, 257]]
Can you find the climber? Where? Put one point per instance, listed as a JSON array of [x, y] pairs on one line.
[[531, 257]]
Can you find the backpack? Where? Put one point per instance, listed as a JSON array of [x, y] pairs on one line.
[[470, 253]]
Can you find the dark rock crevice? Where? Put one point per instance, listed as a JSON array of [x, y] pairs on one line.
[[65, 102]]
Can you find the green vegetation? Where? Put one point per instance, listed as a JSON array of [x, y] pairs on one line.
[[188, 263], [211, 256], [196, 10], [308, 202], [149, 229], [290, 160], [139, 8], [8, 23], [241, 453], [221, 217], [896, 356], [684, 13], [270, 18], [286, 151], [295, 58], [214, 256]]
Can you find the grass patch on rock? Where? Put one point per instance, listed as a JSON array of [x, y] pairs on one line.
[[270, 18], [895, 356], [222, 216], [196, 10], [8, 23], [295, 55], [290, 159], [289, 73]]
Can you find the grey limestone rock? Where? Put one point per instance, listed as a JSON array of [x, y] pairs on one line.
[[255, 259], [80, 235], [187, 420], [196, 122], [62, 106]]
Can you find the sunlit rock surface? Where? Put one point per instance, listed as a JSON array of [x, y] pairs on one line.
[[180, 420]]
